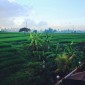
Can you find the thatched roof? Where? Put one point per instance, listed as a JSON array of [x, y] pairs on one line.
[[78, 76], [75, 79]]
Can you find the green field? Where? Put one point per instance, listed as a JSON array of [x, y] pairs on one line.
[[20, 64]]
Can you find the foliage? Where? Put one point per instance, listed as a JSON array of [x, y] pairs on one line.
[[22, 57]]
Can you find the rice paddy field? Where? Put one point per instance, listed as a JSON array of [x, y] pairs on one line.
[[13, 66]]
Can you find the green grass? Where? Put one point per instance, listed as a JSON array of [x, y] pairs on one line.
[[10, 43]]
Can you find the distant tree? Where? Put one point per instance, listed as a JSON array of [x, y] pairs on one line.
[[4, 30], [35, 31], [24, 29], [49, 30]]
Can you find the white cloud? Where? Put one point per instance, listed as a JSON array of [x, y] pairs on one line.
[[12, 13], [8, 9], [12, 0], [18, 21]]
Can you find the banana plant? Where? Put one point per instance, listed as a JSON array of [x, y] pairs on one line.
[[62, 61], [35, 41], [48, 41]]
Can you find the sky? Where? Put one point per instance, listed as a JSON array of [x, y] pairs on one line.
[[42, 14]]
